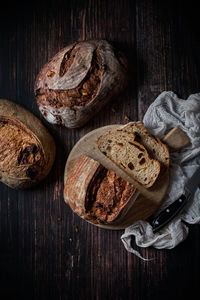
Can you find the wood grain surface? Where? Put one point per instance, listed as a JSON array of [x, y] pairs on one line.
[[47, 252]]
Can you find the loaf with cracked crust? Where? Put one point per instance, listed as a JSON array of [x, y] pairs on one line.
[[156, 149], [78, 81], [27, 150], [132, 157], [96, 194]]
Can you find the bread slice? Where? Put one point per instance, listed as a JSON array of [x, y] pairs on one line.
[[132, 157], [156, 149]]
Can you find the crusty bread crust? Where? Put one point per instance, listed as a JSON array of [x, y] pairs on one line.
[[77, 183]]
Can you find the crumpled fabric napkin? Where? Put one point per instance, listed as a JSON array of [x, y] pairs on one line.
[[166, 112]]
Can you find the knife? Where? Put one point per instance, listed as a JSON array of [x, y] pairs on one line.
[[165, 216]]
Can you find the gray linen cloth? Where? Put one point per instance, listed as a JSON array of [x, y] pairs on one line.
[[166, 112]]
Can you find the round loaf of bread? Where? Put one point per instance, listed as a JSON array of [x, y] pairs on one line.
[[78, 81], [27, 150]]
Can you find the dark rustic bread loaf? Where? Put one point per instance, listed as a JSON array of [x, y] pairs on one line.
[[97, 194], [27, 150], [78, 81], [132, 157], [152, 143]]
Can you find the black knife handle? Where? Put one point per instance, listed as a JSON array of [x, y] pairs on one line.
[[168, 213]]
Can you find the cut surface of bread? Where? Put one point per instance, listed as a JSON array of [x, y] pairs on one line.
[[156, 149], [107, 196], [132, 157]]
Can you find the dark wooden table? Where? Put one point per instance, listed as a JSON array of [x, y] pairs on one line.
[[46, 252]]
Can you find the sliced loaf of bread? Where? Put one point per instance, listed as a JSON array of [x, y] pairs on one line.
[[132, 157], [156, 149]]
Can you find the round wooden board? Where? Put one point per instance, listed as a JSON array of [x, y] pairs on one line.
[[149, 199]]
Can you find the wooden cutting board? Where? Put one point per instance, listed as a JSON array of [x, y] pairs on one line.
[[149, 199]]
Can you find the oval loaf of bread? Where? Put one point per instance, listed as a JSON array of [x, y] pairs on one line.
[[78, 81], [97, 194], [27, 150], [132, 157]]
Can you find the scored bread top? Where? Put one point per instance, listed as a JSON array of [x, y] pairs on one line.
[[132, 157], [27, 149], [78, 81], [156, 149]]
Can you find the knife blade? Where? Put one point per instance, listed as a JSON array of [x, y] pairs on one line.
[[165, 216]]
